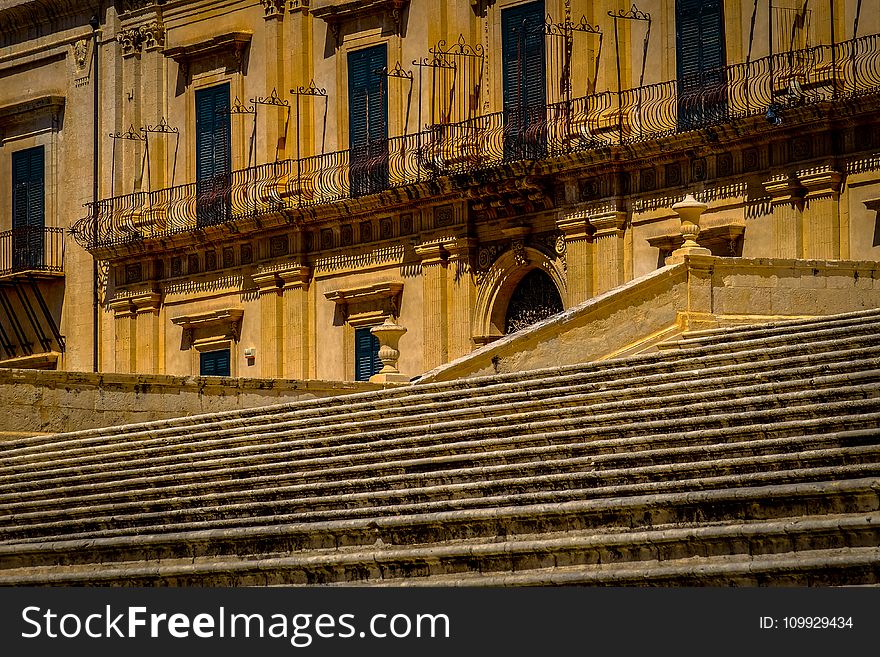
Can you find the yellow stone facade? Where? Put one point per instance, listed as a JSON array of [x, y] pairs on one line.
[[300, 262]]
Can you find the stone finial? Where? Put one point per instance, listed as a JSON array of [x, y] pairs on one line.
[[689, 210], [388, 333]]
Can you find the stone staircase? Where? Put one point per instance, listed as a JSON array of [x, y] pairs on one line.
[[747, 455]]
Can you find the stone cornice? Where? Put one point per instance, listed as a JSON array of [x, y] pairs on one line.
[[19, 15]]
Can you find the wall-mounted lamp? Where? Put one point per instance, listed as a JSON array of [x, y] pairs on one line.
[[773, 116]]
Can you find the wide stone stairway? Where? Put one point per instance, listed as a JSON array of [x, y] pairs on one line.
[[741, 456]]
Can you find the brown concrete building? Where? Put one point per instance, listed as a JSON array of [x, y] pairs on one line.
[[277, 177]]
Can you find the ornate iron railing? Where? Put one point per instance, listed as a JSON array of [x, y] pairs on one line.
[[31, 248], [766, 86]]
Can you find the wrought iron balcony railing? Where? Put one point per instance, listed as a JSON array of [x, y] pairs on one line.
[[763, 86], [31, 249]]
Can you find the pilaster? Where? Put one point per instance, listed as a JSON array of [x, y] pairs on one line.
[[578, 234], [298, 339], [147, 308], [786, 200], [608, 249], [462, 294], [271, 352], [433, 257], [821, 212], [136, 329]]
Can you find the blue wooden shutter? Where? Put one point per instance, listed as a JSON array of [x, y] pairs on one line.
[[700, 58], [213, 155], [366, 354], [28, 207], [368, 120], [522, 53], [213, 145], [214, 363], [524, 83], [367, 96]]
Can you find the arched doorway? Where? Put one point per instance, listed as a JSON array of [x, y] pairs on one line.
[[535, 298]]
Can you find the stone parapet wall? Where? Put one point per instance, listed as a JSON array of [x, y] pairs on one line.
[[48, 402], [700, 293]]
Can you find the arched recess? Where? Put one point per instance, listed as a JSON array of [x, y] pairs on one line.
[[499, 282]]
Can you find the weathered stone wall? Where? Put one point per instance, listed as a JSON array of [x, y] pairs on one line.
[[47, 402], [702, 292]]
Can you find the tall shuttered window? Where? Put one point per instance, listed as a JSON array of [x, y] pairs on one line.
[[213, 154], [28, 207], [368, 120], [524, 79], [366, 354], [214, 363], [700, 61]]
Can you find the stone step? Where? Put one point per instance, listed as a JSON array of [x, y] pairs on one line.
[[616, 430], [492, 556], [232, 473], [646, 462], [149, 516], [779, 327], [459, 465], [575, 407], [864, 336], [645, 512], [832, 567]]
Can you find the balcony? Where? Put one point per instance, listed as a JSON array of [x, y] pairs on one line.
[[32, 251], [822, 74]]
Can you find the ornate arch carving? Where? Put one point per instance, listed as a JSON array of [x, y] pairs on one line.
[[499, 282]]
